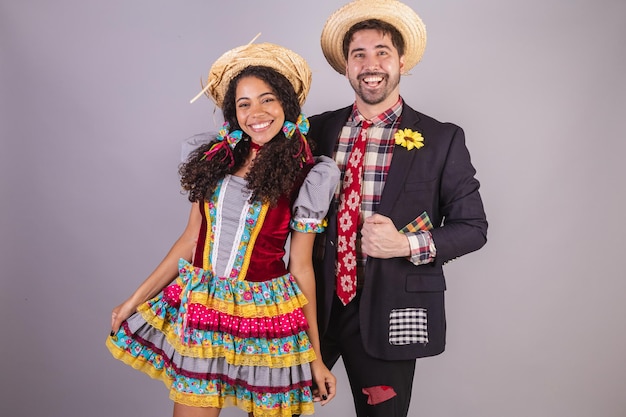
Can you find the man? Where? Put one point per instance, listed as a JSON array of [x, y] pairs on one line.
[[408, 203]]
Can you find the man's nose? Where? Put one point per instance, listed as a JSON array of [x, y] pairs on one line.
[[371, 63]]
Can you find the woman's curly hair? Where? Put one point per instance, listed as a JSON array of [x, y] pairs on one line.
[[275, 169]]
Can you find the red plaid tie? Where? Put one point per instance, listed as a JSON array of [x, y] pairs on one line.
[[348, 218]]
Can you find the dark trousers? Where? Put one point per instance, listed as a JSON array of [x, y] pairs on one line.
[[343, 338]]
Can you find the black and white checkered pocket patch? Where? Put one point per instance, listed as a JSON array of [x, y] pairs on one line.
[[408, 325]]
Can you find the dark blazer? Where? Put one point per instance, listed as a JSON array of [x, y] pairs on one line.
[[438, 179]]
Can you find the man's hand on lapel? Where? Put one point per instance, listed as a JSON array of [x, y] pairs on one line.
[[381, 239]]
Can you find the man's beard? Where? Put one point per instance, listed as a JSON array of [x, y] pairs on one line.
[[380, 95]]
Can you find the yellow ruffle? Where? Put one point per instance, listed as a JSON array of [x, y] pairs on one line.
[[138, 363], [203, 401], [247, 406]]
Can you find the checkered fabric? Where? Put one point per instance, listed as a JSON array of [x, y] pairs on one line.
[[380, 145], [421, 222], [407, 326], [421, 242], [377, 159]]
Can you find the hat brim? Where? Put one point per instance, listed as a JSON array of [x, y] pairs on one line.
[[283, 60], [401, 16]]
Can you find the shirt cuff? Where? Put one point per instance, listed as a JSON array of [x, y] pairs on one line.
[[422, 246]]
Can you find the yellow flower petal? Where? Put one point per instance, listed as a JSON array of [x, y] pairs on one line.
[[409, 139]]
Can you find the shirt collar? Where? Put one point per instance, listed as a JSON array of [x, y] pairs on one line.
[[385, 119]]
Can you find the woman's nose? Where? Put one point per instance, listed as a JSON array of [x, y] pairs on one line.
[[256, 108]]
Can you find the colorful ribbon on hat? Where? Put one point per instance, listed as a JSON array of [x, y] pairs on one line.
[[225, 140], [301, 128]]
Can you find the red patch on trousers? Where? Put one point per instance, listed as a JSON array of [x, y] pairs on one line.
[[378, 394]]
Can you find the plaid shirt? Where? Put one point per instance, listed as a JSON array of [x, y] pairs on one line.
[[378, 153]]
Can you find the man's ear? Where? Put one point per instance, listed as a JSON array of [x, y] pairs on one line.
[[402, 64]]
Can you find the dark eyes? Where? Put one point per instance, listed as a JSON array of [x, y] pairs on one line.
[[362, 55], [264, 100]]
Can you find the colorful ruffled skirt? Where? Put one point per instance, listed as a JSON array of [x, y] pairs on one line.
[[218, 342]]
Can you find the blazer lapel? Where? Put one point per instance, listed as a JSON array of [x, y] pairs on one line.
[[401, 162]]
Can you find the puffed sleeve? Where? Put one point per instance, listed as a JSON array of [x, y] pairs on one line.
[[314, 197]]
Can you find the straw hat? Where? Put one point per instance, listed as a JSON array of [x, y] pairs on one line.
[[283, 60], [401, 16]]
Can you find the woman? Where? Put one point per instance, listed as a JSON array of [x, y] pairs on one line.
[[221, 320]]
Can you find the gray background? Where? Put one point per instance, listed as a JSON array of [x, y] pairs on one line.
[[94, 104]]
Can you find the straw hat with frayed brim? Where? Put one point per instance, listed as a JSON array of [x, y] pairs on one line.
[[283, 60], [401, 16]]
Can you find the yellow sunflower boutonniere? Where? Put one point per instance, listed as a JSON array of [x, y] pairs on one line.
[[409, 139]]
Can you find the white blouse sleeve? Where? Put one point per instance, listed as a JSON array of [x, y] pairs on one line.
[[314, 197]]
